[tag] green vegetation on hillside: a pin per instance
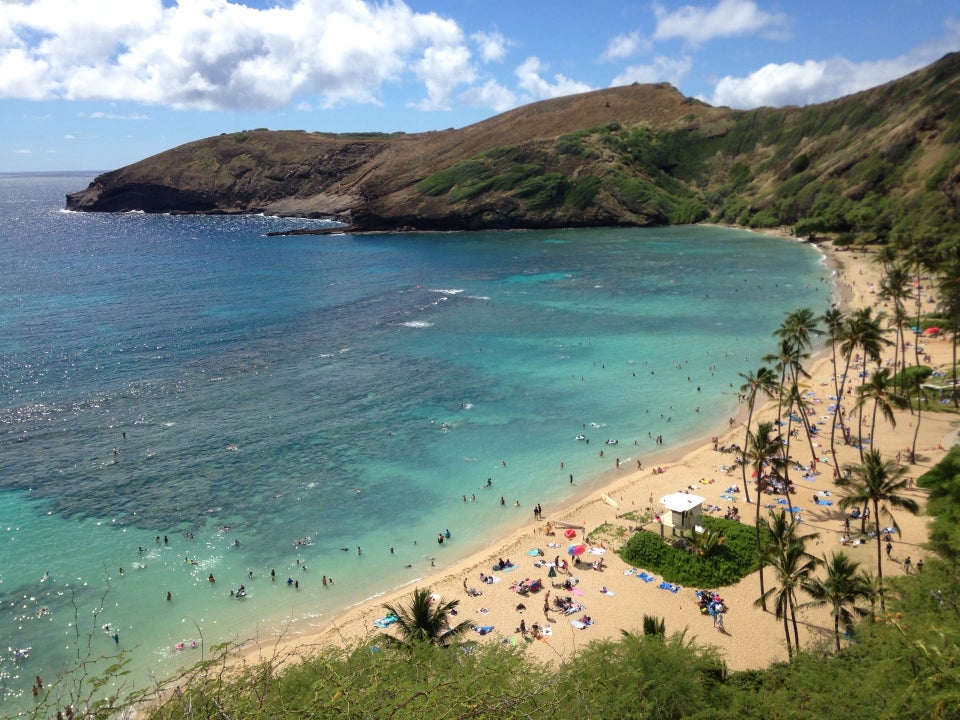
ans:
(876, 166)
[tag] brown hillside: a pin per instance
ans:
(872, 163)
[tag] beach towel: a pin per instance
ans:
(534, 553)
(483, 611)
(669, 586)
(795, 509)
(546, 630)
(576, 591)
(384, 622)
(645, 576)
(483, 629)
(824, 502)
(631, 571)
(580, 625)
(506, 568)
(726, 496)
(611, 593)
(597, 551)
(782, 501)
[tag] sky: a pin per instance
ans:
(93, 85)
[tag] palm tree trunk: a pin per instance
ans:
(838, 416)
(916, 352)
(883, 602)
(786, 633)
(836, 629)
(763, 596)
(956, 397)
(743, 465)
(793, 621)
(863, 380)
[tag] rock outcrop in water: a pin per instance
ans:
(634, 155)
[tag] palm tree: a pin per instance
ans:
(864, 331)
(786, 553)
(763, 381)
(895, 287)
(881, 391)
(781, 360)
(426, 620)
(841, 589)
(880, 483)
(762, 448)
(833, 320)
(920, 255)
(948, 292)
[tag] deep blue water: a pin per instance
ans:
(190, 377)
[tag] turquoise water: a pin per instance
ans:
(191, 378)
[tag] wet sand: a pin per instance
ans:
(751, 637)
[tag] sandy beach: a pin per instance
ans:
(751, 637)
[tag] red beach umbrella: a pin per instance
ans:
(569, 533)
(931, 331)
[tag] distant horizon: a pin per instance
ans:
(101, 84)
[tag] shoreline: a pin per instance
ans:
(752, 637)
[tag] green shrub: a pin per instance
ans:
(583, 192)
(440, 183)
(544, 191)
(735, 558)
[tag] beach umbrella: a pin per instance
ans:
(575, 550)
(569, 533)
(931, 331)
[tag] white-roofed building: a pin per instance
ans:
(682, 511)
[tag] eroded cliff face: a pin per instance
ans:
(283, 173)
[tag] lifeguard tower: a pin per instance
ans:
(682, 512)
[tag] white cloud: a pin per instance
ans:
(662, 69)
(68, 136)
(530, 75)
(441, 70)
(808, 82)
(728, 18)
(490, 94)
(100, 115)
(815, 81)
(219, 54)
(23, 151)
(493, 46)
(624, 46)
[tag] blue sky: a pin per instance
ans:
(98, 84)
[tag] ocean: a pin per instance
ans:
(185, 397)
